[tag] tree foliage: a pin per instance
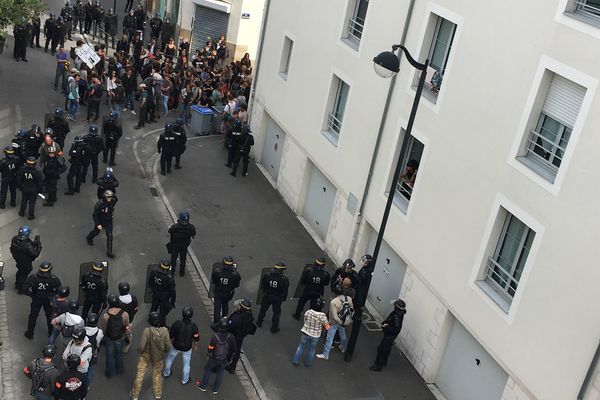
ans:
(13, 11)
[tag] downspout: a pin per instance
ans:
(380, 132)
(261, 42)
(588, 376)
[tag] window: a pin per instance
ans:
(546, 143)
(356, 22)
(438, 54)
(588, 8)
(286, 56)
(504, 268)
(336, 115)
(410, 157)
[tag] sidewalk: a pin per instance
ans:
(247, 219)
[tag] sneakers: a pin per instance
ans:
(199, 386)
(322, 356)
(133, 112)
(125, 109)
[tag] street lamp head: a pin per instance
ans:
(386, 64)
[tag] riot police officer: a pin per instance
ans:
(127, 301)
(140, 17)
(60, 127)
(107, 181)
(240, 324)
(180, 140)
(109, 28)
(33, 141)
(94, 288)
(166, 147)
(232, 141)
(162, 286)
(9, 166)
(21, 38)
(98, 15)
(242, 150)
(49, 28)
(313, 280)
(40, 287)
(364, 275)
(275, 289)
(391, 327)
(24, 252)
(18, 144)
(78, 16)
(36, 26)
(67, 14)
(53, 167)
(225, 279)
(29, 180)
(89, 15)
(155, 26)
(112, 131)
(94, 145)
(182, 233)
(103, 220)
(129, 25)
(58, 36)
(343, 272)
(77, 154)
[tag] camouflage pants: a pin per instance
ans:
(143, 364)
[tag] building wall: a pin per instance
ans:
(548, 337)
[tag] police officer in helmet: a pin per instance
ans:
(53, 168)
(225, 279)
(9, 166)
(77, 155)
(41, 287)
(103, 220)
(314, 279)
(94, 288)
(243, 144)
(240, 324)
(346, 271)
(94, 146)
(24, 252)
(29, 180)
(59, 126)
(112, 132)
(182, 233)
(391, 327)
(167, 148)
(180, 141)
(162, 286)
(275, 288)
(108, 181)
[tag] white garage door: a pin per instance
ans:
(467, 371)
(273, 147)
(319, 202)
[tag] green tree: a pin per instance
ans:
(14, 11)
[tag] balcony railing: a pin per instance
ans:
(554, 152)
(334, 124)
(501, 279)
(355, 29)
(584, 7)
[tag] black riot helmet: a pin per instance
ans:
(318, 304)
(63, 291)
(92, 320)
(79, 333)
(187, 312)
(93, 129)
(246, 304)
(223, 324)
(73, 361)
(348, 264)
(45, 267)
(124, 288)
(154, 319)
(112, 300)
(73, 305)
(184, 217)
(49, 351)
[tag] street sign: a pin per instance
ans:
(87, 55)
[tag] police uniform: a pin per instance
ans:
(107, 183)
(98, 15)
(181, 237)
(166, 147)
(58, 35)
(240, 324)
(225, 279)
(53, 168)
(314, 279)
(103, 215)
(155, 27)
(61, 128)
(9, 166)
(36, 26)
(89, 15)
(391, 327)
(32, 144)
(21, 39)
(275, 288)
(232, 141)
(29, 180)
(77, 154)
(94, 288)
(339, 275)
(244, 142)
(129, 24)
(162, 285)
(41, 287)
(140, 17)
(180, 141)
(94, 145)
(49, 28)
(67, 14)
(24, 252)
(112, 131)
(78, 16)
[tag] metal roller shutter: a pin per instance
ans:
(207, 23)
(563, 100)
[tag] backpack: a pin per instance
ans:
(185, 334)
(115, 329)
(221, 350)
(94, 342)
(345, 312)
(38, 374)
(67, 330)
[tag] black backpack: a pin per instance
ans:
(67, 330)
(345, 312)
(115, 329)
(221, 350)
(37, 376)
(94, 342)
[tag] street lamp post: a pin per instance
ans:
(386, 65)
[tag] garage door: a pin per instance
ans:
(467, 371)
(273, 147)
(388, 276)
(319, 202)
(207, 23)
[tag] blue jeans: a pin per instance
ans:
(129, 100)
(90, 375)
(185, 110)
(114, 357)
(52, 338)
(116, 107)
(165, 100)
(311, 343)
(219, 368)
(186, 358)
(331, 334)
(73, 107)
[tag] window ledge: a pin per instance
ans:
(427, 93)
(331, 136)
(351, 43)
(494, 295)
(584, 17)
(399, 201)
(283, 75)
(538, 168)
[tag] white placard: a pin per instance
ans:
(87, 55)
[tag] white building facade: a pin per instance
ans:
(492, 245)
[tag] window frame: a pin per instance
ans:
(286, 57)
(351, 22)
(434, 41)
(400, 199)
(581, 8)
(333, 122)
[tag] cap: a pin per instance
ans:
(320, 261)
(228, 260)
(348, 263)
(31, 160)
(280, 266)
(165, 264)
(246, 304)
(98, 266)
(45, 266)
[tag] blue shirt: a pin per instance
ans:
(61, 56)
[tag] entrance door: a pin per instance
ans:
(388, 276)
(319, 202)
(273, 147)
(467, 371)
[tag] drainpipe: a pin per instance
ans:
(588, 376)
(380, 131)
(261, 42)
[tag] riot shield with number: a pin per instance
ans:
(147, 290)
(300, 286)
(260, 294)
(211, 288)
(84, 268)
